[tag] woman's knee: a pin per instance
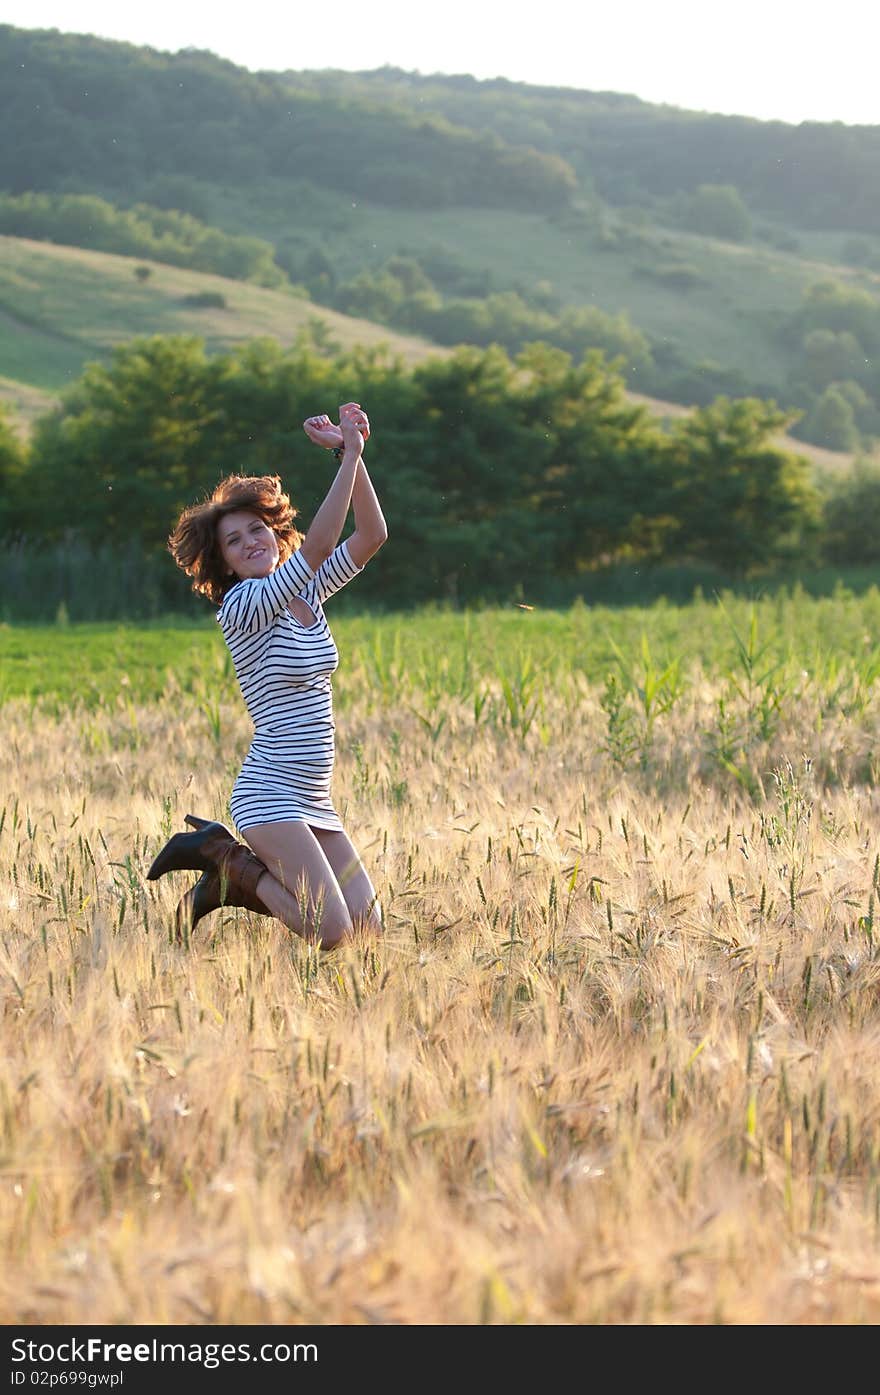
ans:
(368, 917)
(329, 926)
(363, 905)
(360, 919)
(375, 920)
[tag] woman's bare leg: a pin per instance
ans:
(352, 878)
(300, 887)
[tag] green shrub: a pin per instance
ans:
(206, 300)
(676, 276)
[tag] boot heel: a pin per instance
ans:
(199, 901)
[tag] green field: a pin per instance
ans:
(448, 652)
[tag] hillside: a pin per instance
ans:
(24, 404)
(60, 306)
(699, 300)
(810, 176)
(63, 306)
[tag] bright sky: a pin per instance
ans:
(792, 60)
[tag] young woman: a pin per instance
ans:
(243, 553)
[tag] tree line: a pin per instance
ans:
(129, 115)
(500, 476)
(813, 175)
(163, 235)
(79, 112)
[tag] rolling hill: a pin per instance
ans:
(61, 307)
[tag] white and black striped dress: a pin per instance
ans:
(284, 671)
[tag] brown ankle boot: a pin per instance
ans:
(233, 882)
(198, 851)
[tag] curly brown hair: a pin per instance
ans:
(194, 545)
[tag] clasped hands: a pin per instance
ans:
(353, 428)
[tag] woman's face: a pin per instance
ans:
(247, 544)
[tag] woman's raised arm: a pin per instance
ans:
(370, 528)
(328, 522)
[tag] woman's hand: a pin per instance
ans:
(322, 431)
(354, 425)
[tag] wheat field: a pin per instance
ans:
(613, 1060)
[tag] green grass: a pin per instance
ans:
(92, 664)
(24, 403)
(36, 357)
(454, 653)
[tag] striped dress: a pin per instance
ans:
(284, 671)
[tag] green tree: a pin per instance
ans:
(831, 356)
(496, 474)
(718, 210)
(583, 327)
(851, 517)
(865, 409)
(138, 439)
(123, 451)
(13, 473)
(831, 421)
(598, 462)
(740, 501)
(165, 235)
(844, 309)
(410, 274)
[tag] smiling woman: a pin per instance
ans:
(243, 552)
(247, 544)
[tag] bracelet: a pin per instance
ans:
(339, 451)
